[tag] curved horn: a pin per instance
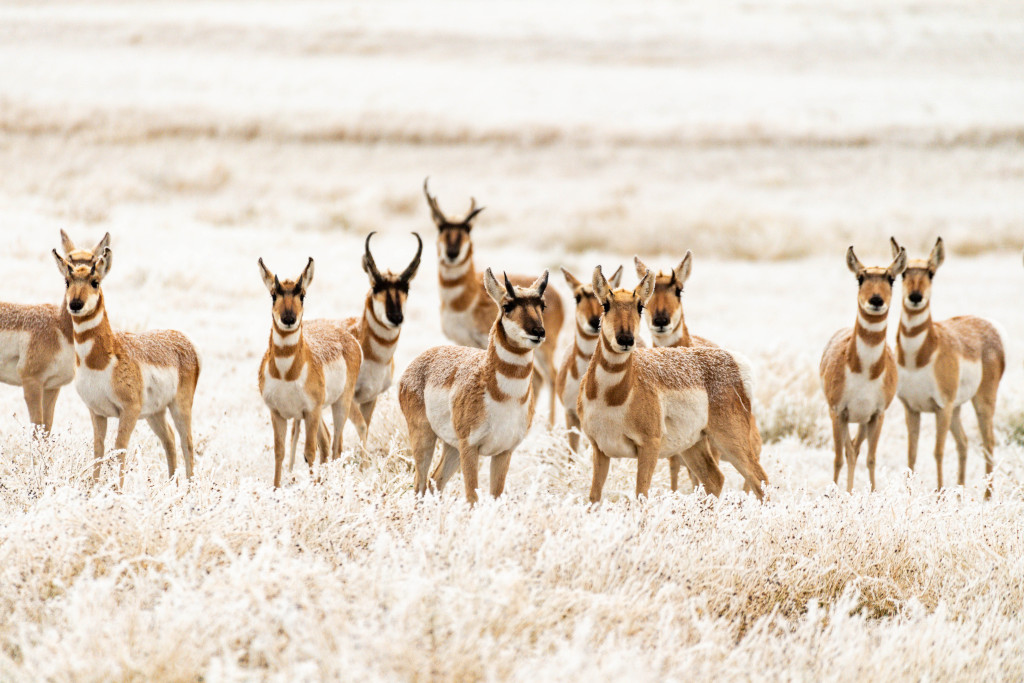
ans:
(473, 211)
(368, 263)
(435, 210)
(508, 286)
(410, 271)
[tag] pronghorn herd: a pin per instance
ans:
(685, 400)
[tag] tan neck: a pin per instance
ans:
(458, 282)
(677, 336)
(611, 373)
(95, 343)
(508, 368)
(867, 344)
(377, 340)
(65, 322)
(288, 353)
(583, 349)
(916, 340)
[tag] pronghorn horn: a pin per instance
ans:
(473, 211)
(410, 271)
(435, 210)
(368, 263)
(508, 287)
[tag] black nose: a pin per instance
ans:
(396, 318)
(453, 253)
(536, 331)
(76, 305)
(876, 301)
(595, 322)
(660, 321)
(625, 339)
(915, 297)
(288, 318)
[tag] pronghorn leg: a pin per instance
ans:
(181, 414)
(539, 381)
(674, 463)
(125, 426)
(469, 458)
(280, 434)
(360, 414)
(851, 456)
(158, 423)
(552, 374)
(862, 434)
(701, 462)
(33, 391)
(49, 403)
(421, 442)
(294, 443)
(646, 462)
(838, 443)
(743, 451)
(447, 466)
(874, 430)
(943, 418)
(499, 469)
(985, 408)
(99, 435)
(572, 423)
(960, 438)
(338, 416)
(913, 431)
(323, 441)
(312, 421)
(367, 410)
(601, 465)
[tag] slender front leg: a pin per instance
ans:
(960, 438)
(294, 443)
(874, 430)
(838, 429)
(646, 462)
(49, 403)
(601, 464)
(674, 463)
(33, 391)
(702, 464)
(943, 418)
(99, 435)
(499, 469)
(125, 426)
(338, 417)
(366, 409)
(572, 423)
(851, 456)
(280, 434)
(469, 457)
(913, 430)
(312, 420)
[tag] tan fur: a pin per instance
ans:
(657, 403)
(464, 296)
(113, 367)
(861, 357)
(478, 403)
(943, 365)
(306, 350)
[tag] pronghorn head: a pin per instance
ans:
(83, 270)
(622, 309)
(453, 243)
(917, 278)
(588, 308)
(666, 306)
(288, 296)
(388, 290)
(874, 285)
(520, 309)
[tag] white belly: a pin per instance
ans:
(439, 414)
(374, 380)
(335, 376)
(97, 390)
(918, 390)
(504, 427)
(13, 344)
(684, 417)
(288, 399)
(970, 380)
(159, 385)
(460, 328)
(862, 397)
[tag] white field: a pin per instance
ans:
(765, 137)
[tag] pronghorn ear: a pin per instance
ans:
(852, 262)
(601, 288)
(641, 269)
(102, 244)
(683, 270)
(269, 279)
(306, 279)
(101, 263)
(645, 290)
(937, 256)
(571, 280)
(66, 244)
(63, 266)
(899, 264)
(895, 246)
(540, 284)
(494, 289)
(616, 279)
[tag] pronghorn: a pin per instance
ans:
(858, 370)
(668, 326)
(588, 325)
(377, 331)
(124, 375)
(467, 312)
(37, 347)
(478, 403)
(656, 403)
(943, 365)
(306, 368)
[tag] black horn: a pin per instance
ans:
(508, 286)
(410, 271)
(435, 210)
(368, 263)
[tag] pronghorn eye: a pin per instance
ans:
(543, 305)
(639, 307)
(607, 306)
(679, 292)
(892, 280)
(95, 284)
(509, 306)
(302, 297)
(578, 298)
(67, 282)
(930, 275)
(860, 279)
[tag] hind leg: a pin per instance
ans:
(702, 463)
(469, 458)
(499, 469)
(743, 453)
(446, 467)
(338, 417)
(158, 423)
(960, 438)
(49, 403)
(421, 442)
(181, 414)
(839, 434)
(572, 422)
(984, 408)
(33, 391)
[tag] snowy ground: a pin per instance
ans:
(765, 137)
